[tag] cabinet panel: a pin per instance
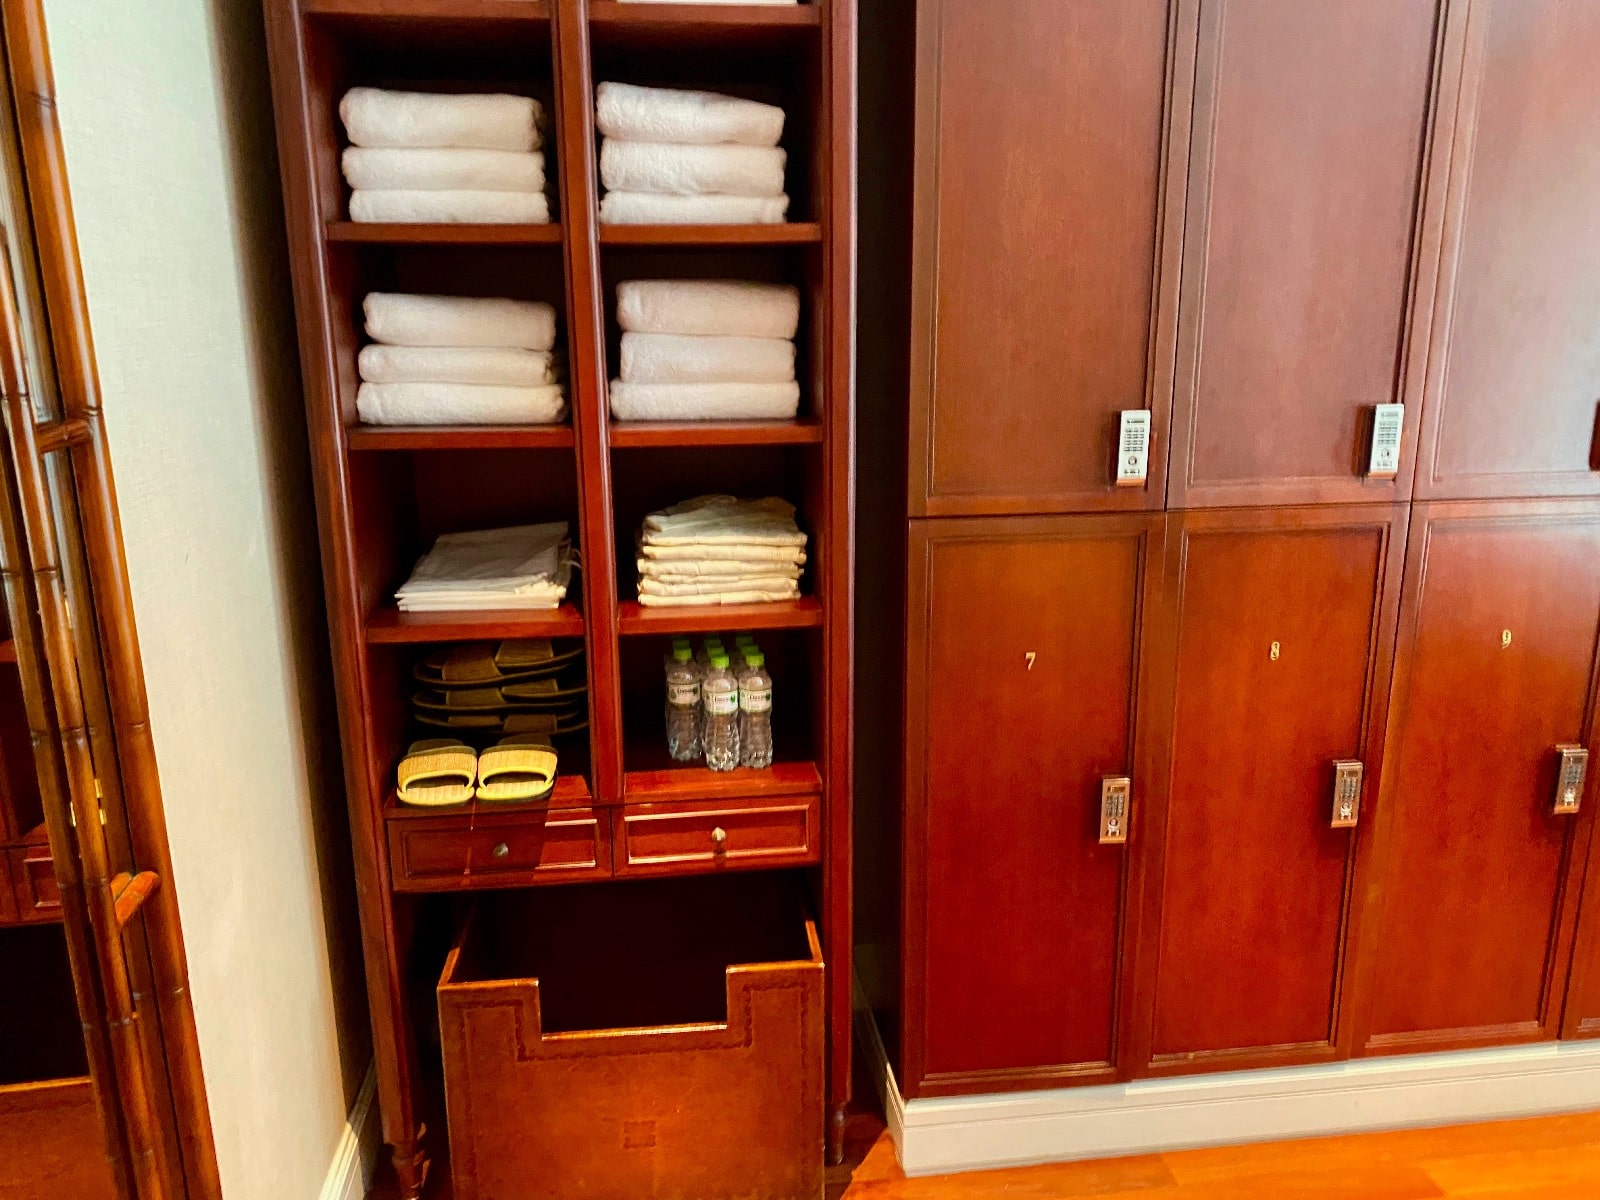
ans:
(1277, 626)
(1304, 184)
(1514, 385)
(1038, 216)
(1495, 669)
(1024, 653)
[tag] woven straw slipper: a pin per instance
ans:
(568, 720)
(489, 664)
(437, 772)
(543, 695)
(517, 770)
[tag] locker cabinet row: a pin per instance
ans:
(1346, 830)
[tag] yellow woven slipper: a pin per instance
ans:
(437, 772)
(517, 769)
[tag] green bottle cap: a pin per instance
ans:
(682, 653)
(720, 661)
(756, 659)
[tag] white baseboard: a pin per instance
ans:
(356, 1158)
(969, 1133)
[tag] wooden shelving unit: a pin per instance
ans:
(383, 494)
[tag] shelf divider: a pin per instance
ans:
(797, 233)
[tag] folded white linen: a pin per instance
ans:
(704, 401)
(653, 208)
(418, 170)
(678, 358)
(403, 319)
(773, 584)
(682, 570)
(496, 366)
(459, 404)
(449, 208)
(649, 600)
(691, 170)
(714, 519)
(709, 307)
(504, 559)
(713, 555)
(429, 120)
(646, 114)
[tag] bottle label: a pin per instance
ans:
(756, 700)
(683, 694)
(722, 704)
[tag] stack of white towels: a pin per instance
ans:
(418, 157)
(675, 157)
(459, 360)
(524, 566)
(706, 350)
(720, 550)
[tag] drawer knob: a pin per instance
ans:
(500, 850)
(719, 836)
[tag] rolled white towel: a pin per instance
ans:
(675, 358)
(704, 401)
(691, 170)
(401, 319)
(497, 366)
(709, 307)
(656, 208)
(458, 404)
(650, 600)
(450, 208)
(428, 120)
(413, 170)
(646, 114)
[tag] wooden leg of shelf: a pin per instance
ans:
(411, 1166)
(836, 1133)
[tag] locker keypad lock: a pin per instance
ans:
(1347, 777)
(1572, 766)
(1115, 791)
(1133, 448)
(1388, 420)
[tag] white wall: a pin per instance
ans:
(168, 140)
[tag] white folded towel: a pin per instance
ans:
(691, 170)
(714, 519)
(496, 366)
(654, 208)
(685, 570)
(444, 170)
(524, 566)
(675, 358)
(402, 319)
(711, 556)
(704, 401)
(376, 117)
(458, 404)
(646, 114)
(450, 208)
(649, 600)
(775, 584)
(709, 307)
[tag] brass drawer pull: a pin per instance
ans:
(500, 850)
(719, 838)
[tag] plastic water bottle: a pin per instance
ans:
(755, 713)
(719, 692)
(683, 704)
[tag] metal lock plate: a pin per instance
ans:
(1115, 792)
(1571, 767)
(1347, 777)
(1388, 420)
(1133, 448)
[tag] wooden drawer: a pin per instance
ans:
(692, 837)
(33, 879)
(661, 1040)
(531, 846)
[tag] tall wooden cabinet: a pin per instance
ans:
(1338, 687)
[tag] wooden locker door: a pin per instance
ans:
(1275, 635)
(1513, 393)
(1305, 217)
(1025, 651)
(1474, 896)
(1044, 280)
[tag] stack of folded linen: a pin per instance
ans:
(417, 157)
(706, 350)
(689, 158)
(719, 550)
(459, 360)
(524, 566)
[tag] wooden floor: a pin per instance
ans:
(1547, 1158)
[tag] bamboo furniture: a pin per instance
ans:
(620, 807)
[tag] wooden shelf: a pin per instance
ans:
(634, 618)
(793, 234)
(389, 625)
(571, 791)
(716, 433)
(374, 233)
(702, 783)
(459, 437)
(445, 22)
(741, 27)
